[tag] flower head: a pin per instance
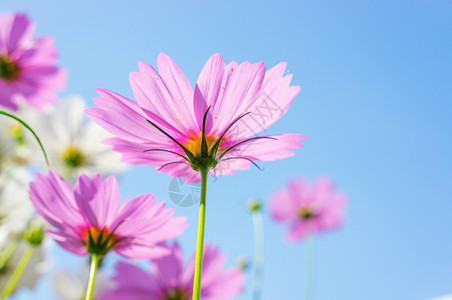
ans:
(213, 127)
(27, 65)
(73, 142)
(89, 219)
(308, 207)
(171, 280)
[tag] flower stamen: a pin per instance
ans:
(177, 294)
(73, 157)
(9, 70)
(306, 213)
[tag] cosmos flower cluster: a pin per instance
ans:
(187, 132)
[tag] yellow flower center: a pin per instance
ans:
(17, 133)
(177, 294)
(73, 157)
(9, 69)
(306, 213)
(98, 240)
(195, 141)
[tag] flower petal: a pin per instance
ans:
(132, 283)
(18, 31)
(168, 269)
(272, 102)
(243, 85)
(207, 89)
(276, 147)
(97, 199)
(121, 117)
(53, 199)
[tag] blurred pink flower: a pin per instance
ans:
(308, 207)
(213, 127)
(171, 280)
(27, 65)
(89, 219)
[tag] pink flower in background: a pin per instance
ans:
(27, 65)
(89, 218)
(213, 127)
(171, 280)
(308, 207)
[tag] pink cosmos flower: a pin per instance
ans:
(27, 65)
(308, 207)
(89, 218)
(213, 127)
(171, 280)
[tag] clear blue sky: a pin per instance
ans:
(376, 104)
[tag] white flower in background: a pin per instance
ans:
(16, 213)
(15, 207)
(70, 286)
(73, 143)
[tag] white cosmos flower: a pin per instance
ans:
(15, 207)
(74, 143)
(72, 286)
(16, 213)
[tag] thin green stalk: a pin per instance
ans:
(31, 130)
(200, 243)
(310, 269)
(7, 253)
(258, 225)
(9, 288)
(92, 276)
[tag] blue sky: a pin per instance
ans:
(375, 102)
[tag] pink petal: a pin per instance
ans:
(244, 83)
(17, 32)
(178, 86)
(271, 104)
(278, 147)
(139, 251)
(133, 276)
(132, 283)
(121, 117)
(151, 93)
(282, 207)
(7, 96)
(208, 88)
(53, 199)
(213, 261)
(97, 199)
(225, 285)
(300, 230)
(168, 269)
(44, 53)
(69, 242)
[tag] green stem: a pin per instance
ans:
(258, 254)
(9, 288)
(92, 276)
(310, 268)
(7, 253)
(200, 244)
(32, 132)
